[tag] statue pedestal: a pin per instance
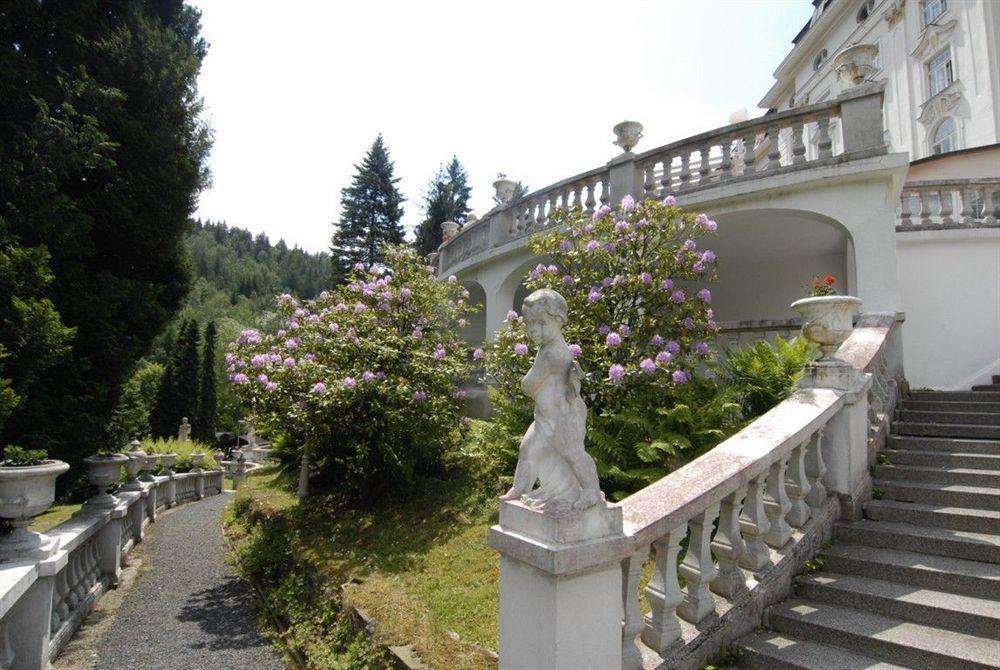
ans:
(560, 587)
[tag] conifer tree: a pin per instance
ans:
(177, 396)
(446, 199)
(204, 425)
(371, 209)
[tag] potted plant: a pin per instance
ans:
(827, 318)
(136, 463)
(27, 488)
(104, 469)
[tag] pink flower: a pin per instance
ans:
(690, 245)
(647, 365)
(628, 203)
(270, 387)
(263, 379)
(593, 296)
(670, 200)
(477, 355)
(417, 333)
(708, 257)
(349, 382)
(616, 372)
(419, 396)
(240, 378)
(318, 388)
(705, 295)
(701, 348)
(521, 349)
(438, 354)
(613, 340)
(334, 327)
(452, 278)
(511, 315)
(565, 245)
(592, 245)
(680, 376)
(656, 340)
(666, 284)
(673, 347)
(567, 280)
(289, 362)
(688, 322)
(663, 357)
(575, 350)
(677, 297)
(367, 376)
(405, 293)
(601, 212)
(646, 278)
(624, 330)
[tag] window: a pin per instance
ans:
(945, 137)
(934, 9)
(865, 11)
(820, 59)
(940, 73)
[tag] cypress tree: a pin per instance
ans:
(371, 209)
(177, 396)
(446, 199)
(204, 426)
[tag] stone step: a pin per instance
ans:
(904, 642)
(958, 430)
(922, 416)
(941, 573)
(956, 396)
(950, 406)
(940, 474)
(945, 459)
(958, 495)
(939, 516)
(972, 546)
(965, 446)
(989, 388)
(966, 614)
(773, 651)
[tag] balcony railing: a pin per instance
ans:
(944, 204)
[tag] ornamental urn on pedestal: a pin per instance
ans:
(102, 472)
(25, 492)
(627, 134)
(827, 320)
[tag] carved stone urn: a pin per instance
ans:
(136, 463)
(448, 230)
(25, 492)
(827, 320)
(197, 460)
(167, 463)
(628, 134)
(148, 465)
(855, 63)
(102, 472)
(504, 189)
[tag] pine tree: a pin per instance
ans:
(204, 425)
(177, 396)
(371, 209)
(446, 199)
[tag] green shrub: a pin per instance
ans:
(171, 445)
(15, 457)
(763, 374)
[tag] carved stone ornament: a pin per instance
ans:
(940, 105)
(933, 38)
(894, 13)
(552, 452)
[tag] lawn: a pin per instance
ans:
(418, 563)
(54, 516)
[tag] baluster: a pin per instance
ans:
(62, 589)
(905, 215)
(605, 191)
(591, 200)
(542, 216)
(729, 547)
(944, 197)
(662, 629)
(968, 211)
(815, 469)
(704, 169)
(685, 175)
(749, 152)
(754, 526)
(776, 505)
(925, 207)
(698, 568)
(824, 144)
(726, 165)
(774, 150)
(576, 201)
(798, 146)
(632, 623)
(666, 183)
(798, 487)
(73, 579)
(991, 206)
(648, 183)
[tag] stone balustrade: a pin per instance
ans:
(773, 491)
(845, 128)
(739, 333)
(942, 204)
(43, 602)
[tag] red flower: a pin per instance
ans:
(815, 282)
(830, 280)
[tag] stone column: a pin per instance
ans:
(304, 474)
(560, 587)
(626, 178)
(29, 619)
(845, 438)
(109, 544)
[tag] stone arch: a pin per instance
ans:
(512, 288)
(474, 332)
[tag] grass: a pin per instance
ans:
(418, 564)
(54, 516)
(183, 450)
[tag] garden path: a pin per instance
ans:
(186, 609)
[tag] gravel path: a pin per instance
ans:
(186, 610)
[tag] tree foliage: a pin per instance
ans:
(130, 420)
(177, 396)
(101, 158)
(371, 210)
(204, 423)
(446, 199)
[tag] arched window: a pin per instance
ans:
(820, 59)
(866, 11)
(945, 137)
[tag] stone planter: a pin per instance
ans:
(167, 463)
(197, 460)
(627, 134)
(135, 464)
(25, 492)
(854, 64)
(504, 189)
(827, 320)
(148, 465)
(102, 472)
(448, 230)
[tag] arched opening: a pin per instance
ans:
(513, 286)
(474, 332)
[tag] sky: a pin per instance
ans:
(297, 91)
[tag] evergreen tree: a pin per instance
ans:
(101, 159)
(371, 209)
(204, 426)
(446, 199)
(177, 396)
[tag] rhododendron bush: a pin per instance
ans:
(366, 375)
(640, 322)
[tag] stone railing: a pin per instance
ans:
(942, 204)
(773, 490)
(738, 333)
(43, 602)
(783, 142)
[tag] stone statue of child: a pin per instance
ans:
(552, 451)
(184, 430)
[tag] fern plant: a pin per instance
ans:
(763, 374)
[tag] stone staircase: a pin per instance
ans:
(915, 584)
